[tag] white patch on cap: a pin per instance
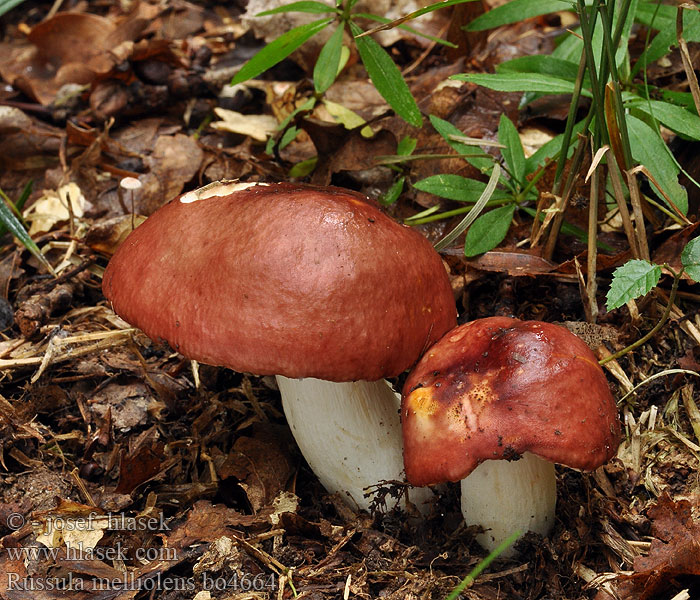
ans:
(217, 188)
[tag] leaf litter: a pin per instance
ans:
(138, 468)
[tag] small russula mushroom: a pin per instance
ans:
(529, 392)
(296, 281)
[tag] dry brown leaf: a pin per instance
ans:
(143, 462)
(174, 161)
(674, 552)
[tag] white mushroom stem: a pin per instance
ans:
(504, 497)
(350, 434)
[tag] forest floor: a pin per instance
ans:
(179, 484)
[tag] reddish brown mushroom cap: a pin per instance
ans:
(283, 279)
(498, 387)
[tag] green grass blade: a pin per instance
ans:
(326, 67)
(474, 212)
(306, 6)
(14, 226)
(384, 20)
(516, 11)
(387, 78)
(8, 5)
(476, 571)
(279, 49)
(409, 17)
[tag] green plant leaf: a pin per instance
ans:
(513, 152)
(8, 5)
(304, 168)
(663, 18)
(10, 221)
(446, 129)
(393, 193)
(541, 63)
(406, 146)
(328, 61)
(674, 117)
(455, 187)
(387, 78)
(520, 82)
(279, 49)
(516, 11)
(633, 279)
(476, 571)
(288, 137)
(650, 150)
(488, 230)
(306, 6)
(690, 258)
(474, 211)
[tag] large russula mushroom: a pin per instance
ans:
(300, 282)
(529, 392)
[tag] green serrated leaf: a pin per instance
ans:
(387, 78)
(649, 149)
(521, 82)
(633, 279)
(446, 129)
(305, 6)
(279, 49)
(513, 151)
(488, 230)
(326, 67)
(690, 258)
(516, 11)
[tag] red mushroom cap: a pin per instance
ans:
(498, 387)
(283, 279)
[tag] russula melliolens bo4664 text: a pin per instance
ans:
(300, 282)
(529, 392)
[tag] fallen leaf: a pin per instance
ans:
(674, 552)
(52, 208)
(143, 462)
(259, 127)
